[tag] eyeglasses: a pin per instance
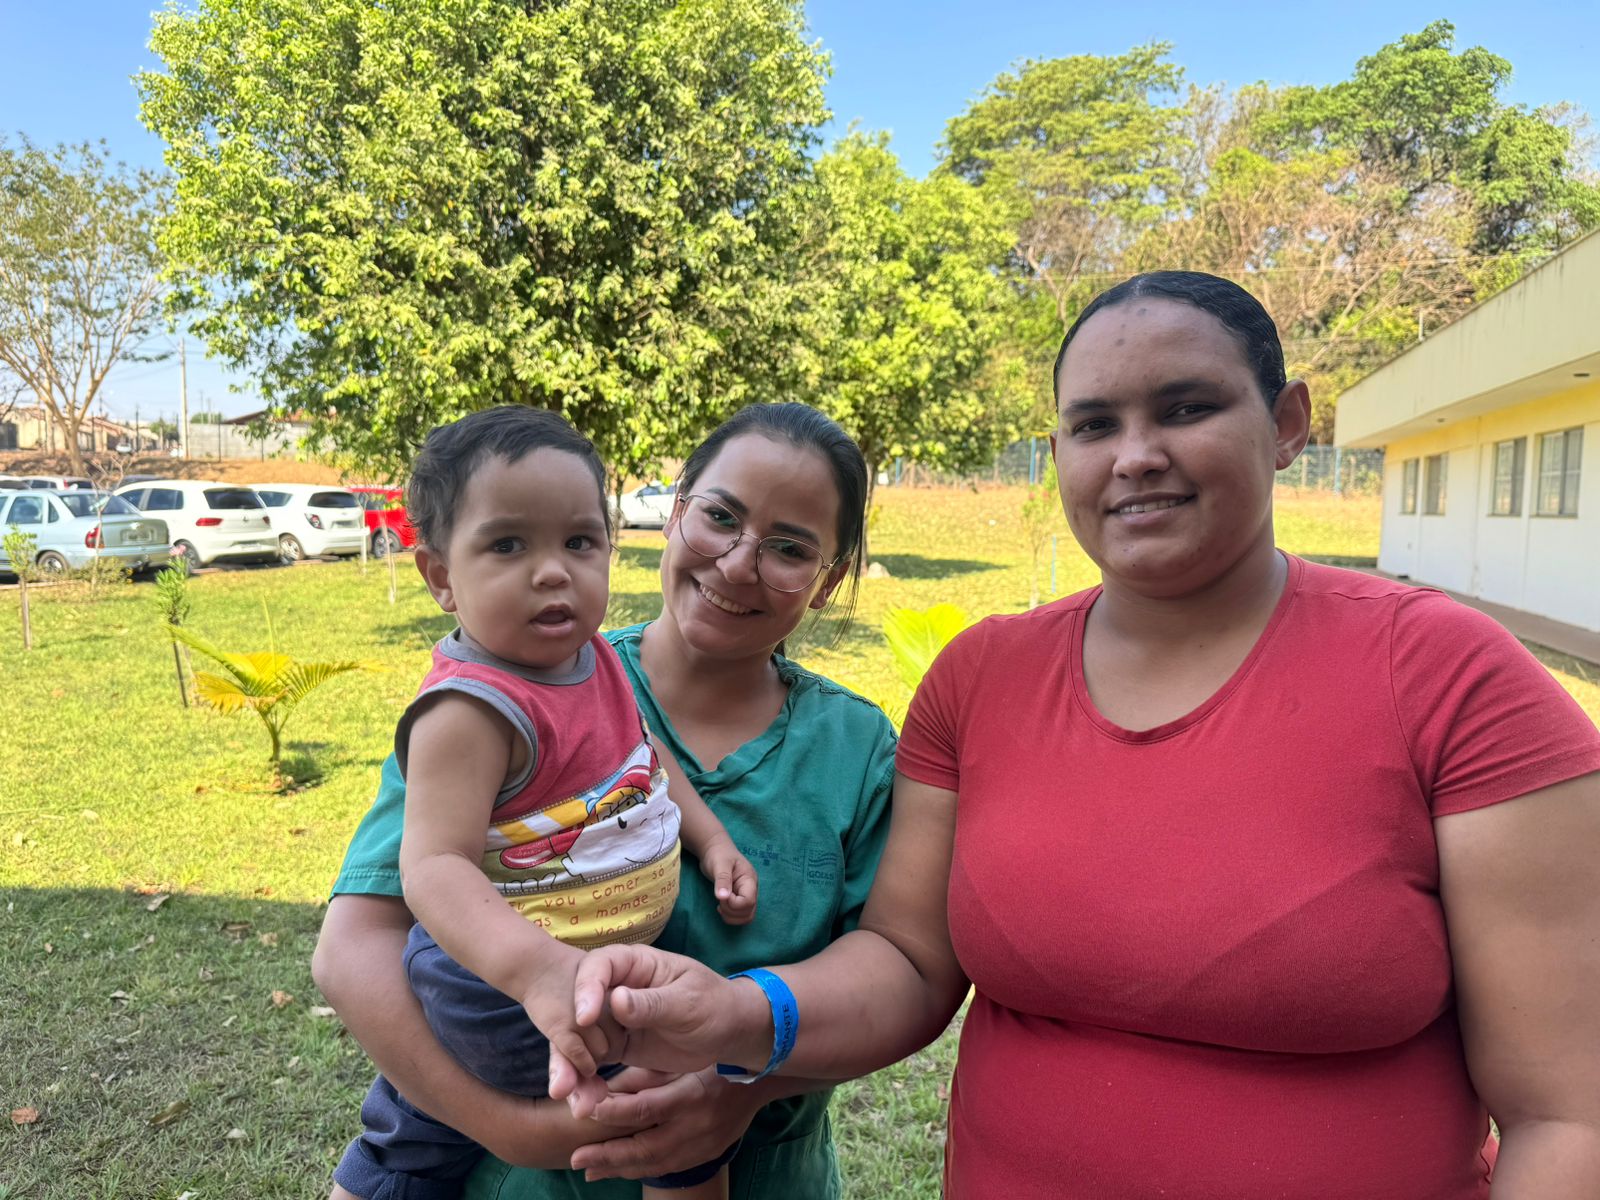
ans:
(784, 564)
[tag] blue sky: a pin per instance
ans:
(902, 65)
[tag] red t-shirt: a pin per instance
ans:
(1210, 959)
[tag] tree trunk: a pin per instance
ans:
(70, 426)
(177, 667)
(27, 625)
(866, 517)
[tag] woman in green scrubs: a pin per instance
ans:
(797, 768)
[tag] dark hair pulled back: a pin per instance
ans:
(805, 428)
(1241, 315)
(451, 453)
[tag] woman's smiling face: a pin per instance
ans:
(1166, 449)
(720, 605)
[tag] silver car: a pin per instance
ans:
(73, 528)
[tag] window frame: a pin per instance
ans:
(1568, 475)
(1435, 471)
(1517, 484)
(1410, 485)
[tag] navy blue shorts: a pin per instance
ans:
(404, 1154)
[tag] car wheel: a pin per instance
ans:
(51, 563)
(191, 556)
(384, 543)
(289, 548)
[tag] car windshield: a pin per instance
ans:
(333, 500)
(232, 498)
(273, 499)
(89, 504)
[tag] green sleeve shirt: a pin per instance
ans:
(807, 801)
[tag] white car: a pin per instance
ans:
(648, 505)
(312, 520)
(73, 528)
(56, 482)
(209, 522)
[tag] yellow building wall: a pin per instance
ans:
(1546, 565)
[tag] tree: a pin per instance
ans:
(909, 277)
(1360, 211)
(396, 214)
(1433, 116)
(20, 553)
(80, 285)
(1082, 158)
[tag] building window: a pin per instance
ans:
(1560, 457)
(1408, 485)
(1510, 459)
(1433, 483)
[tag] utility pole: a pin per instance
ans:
(183, 400)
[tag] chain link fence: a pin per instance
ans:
(1026, 462)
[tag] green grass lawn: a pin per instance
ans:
(174, 1046)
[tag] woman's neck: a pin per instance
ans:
(1240, 600)
(690, 686)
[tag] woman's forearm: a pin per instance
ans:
(849, 1029)
(863, 1004)
(1548, 1160)
(358, 967)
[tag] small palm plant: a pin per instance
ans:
(915, 637)
(267, 683)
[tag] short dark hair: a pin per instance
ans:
(807, 428)
(451, 453)
(1241, 315)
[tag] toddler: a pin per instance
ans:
(537, 821)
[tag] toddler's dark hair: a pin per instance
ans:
(451, 453)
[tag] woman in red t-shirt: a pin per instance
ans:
(1269, 879)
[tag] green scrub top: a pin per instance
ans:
(807, 802)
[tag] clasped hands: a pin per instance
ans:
(674, 1018)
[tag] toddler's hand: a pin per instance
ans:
(549, 1003)
(733, 880)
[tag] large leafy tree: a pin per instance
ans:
(1433, 118)
(395, 214)
(80, 277)
(1365, 212)
(909, 278)
(1082, 154)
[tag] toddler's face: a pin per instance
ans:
(527, 569)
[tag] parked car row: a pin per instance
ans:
(45, 481)
(149, 522)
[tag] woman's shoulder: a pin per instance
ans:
(997, 635)
(815, 692)
(1396, 609)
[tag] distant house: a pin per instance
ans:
(31, 428)
(1491, 438)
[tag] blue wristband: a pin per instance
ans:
(785, 1025)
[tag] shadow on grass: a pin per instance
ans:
(116, 1014)
(630, 608)
(646, 558)
(915, 566)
